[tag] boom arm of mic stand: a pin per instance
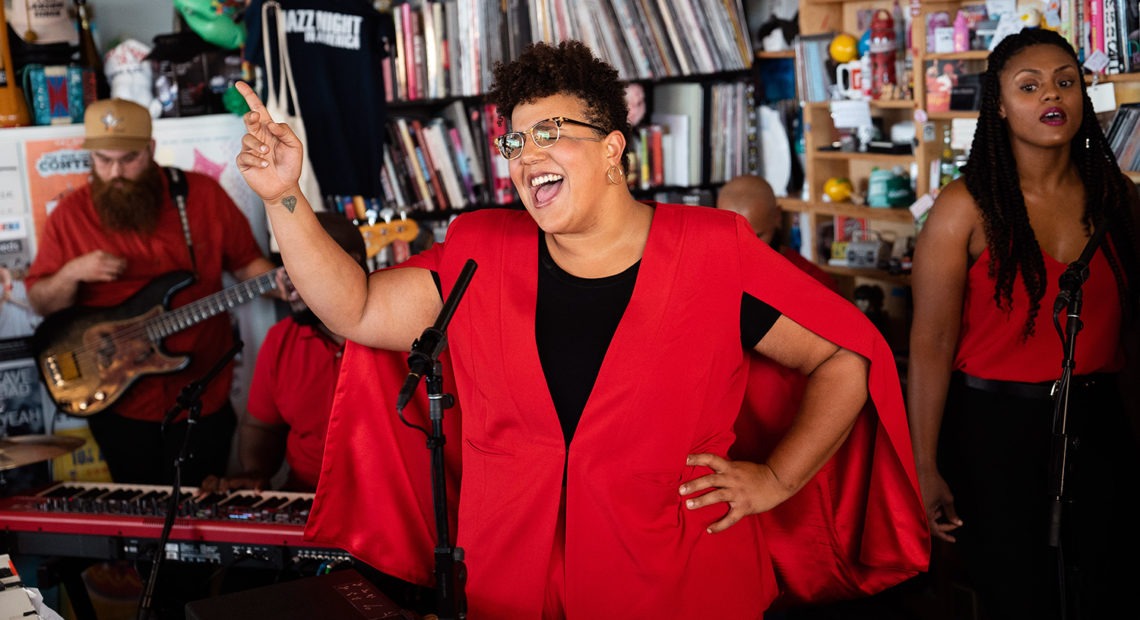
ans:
(1077, 272)
(428, 347)
(192, 393)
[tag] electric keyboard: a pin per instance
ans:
(111, 521)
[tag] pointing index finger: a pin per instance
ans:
(253, 101)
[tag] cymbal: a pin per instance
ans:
(28, 449)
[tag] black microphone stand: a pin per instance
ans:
(423, 362)
(1059, 461)
(189, 400)
(1060, 450)
(1070, 299)
(450, 571)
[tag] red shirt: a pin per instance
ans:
(293, 384)
(223, 242)
(990, 344)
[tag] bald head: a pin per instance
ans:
(752, 197)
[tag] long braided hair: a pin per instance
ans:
(992, 180)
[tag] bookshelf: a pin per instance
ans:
(701, 72)
(818, 20)
(1126, 85)
(818, 218)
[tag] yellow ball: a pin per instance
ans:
(837, 189)
(843, 48)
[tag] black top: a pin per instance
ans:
(335, 48)
(575, 321)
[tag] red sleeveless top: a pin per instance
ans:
(990, 344)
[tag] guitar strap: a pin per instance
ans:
(178, 191)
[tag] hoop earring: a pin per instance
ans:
(614, 175)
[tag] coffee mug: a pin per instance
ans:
(849, 79)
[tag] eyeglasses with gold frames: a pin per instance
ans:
(544, 134)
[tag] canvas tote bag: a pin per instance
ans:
(278, 105)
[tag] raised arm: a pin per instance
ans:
(387, 309)
(938, 282)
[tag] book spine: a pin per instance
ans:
(427, 162)
(1112, 41)
(415, 170)
(1096, 25)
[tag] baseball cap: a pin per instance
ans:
(116, 124)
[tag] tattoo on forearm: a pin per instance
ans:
(290, 202)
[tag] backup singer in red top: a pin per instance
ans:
(984, 352)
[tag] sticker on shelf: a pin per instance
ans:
(1103, 96)
(850, 114)
(1096, 62)
(921, 206)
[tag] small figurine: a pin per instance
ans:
(883, 51)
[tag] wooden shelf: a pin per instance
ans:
(848, 209)
(951, 114)
(762, 55)
(1119, 77)
(903, 160)
(885, 104)
(901, 279)
(970, 55)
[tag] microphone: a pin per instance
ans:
(1078, 271)
(426, 348)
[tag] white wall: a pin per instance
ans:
(116, 20)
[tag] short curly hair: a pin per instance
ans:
(568, 68)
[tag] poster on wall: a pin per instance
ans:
(15, 242)
(22, 412)
(208, 145)
(11, 185)
(55, 166)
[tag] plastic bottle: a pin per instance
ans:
(903, 61)
(13, 108)
(947, 170)
(961, 33)
(89, 56)
(883, 53)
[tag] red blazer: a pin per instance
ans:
(671, 384)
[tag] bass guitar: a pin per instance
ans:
(89, 357)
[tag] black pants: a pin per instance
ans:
(139, 452)
(995, 454)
